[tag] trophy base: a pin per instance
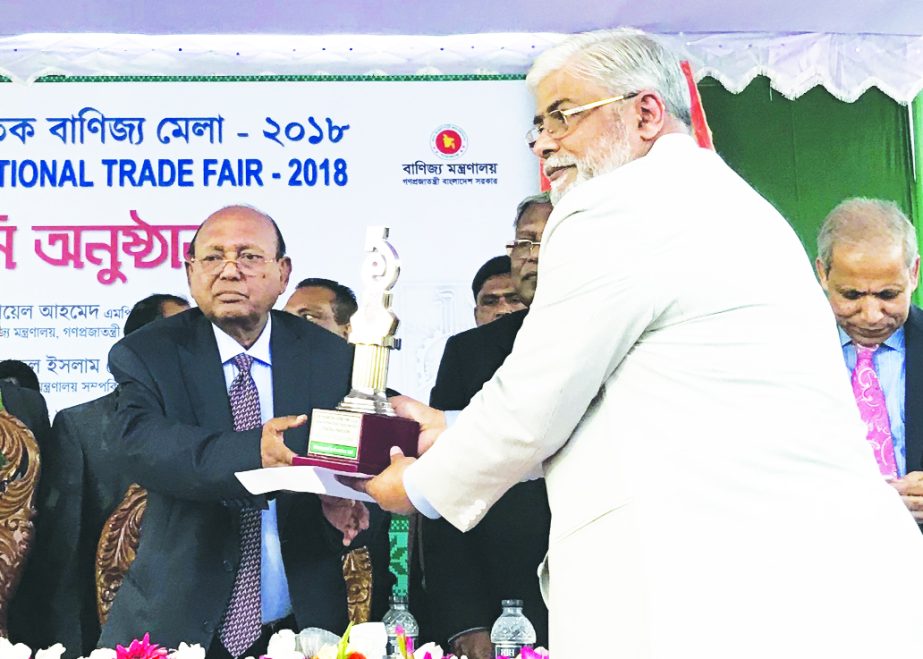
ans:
(356, 442)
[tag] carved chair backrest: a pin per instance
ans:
(19, 474)
(118, 545)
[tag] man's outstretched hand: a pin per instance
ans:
(431, 420)
(387, 488)
(345, 515)
(910, 487)
(273, 450)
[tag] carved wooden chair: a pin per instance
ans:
(19, 474)
(357, 573)
(118, 545)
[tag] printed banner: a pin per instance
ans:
(102, 185)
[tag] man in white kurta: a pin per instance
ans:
(679, 377)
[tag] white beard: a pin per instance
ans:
(611, 152)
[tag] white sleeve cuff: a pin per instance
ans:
(416, 497)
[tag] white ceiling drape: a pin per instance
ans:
(845, 64)
(844, 45)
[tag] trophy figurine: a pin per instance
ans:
(358, 435)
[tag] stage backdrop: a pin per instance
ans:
(103, 181)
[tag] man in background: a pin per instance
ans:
(82, 483)
(494, 293)
(19, 373)
(497, 559)
(324, 302)
(868, 264)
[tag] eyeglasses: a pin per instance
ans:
(522, 248)
(555, 123)
(247, 263)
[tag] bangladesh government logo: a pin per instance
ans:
(448, 141)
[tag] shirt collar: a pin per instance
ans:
(895, 341)
(228, 348)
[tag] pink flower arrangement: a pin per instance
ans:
(142, 649)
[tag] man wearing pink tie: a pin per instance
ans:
(868, 263)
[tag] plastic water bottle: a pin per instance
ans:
(399, 615)
(512, 631)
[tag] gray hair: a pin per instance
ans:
(860, 220)
(541, 198)
(623, 61)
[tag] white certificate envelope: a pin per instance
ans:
(301, 478)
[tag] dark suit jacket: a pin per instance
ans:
(83, 483)
(467, 574)
(175, 421)
(913, 389)
(29, 407)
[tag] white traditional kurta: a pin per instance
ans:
(680, 376)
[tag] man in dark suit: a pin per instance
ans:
(81, 485)
(868, 264)
(468, 574)
(216, 390)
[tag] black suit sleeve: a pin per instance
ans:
(450, 390)
(457, 594)
(182, 460)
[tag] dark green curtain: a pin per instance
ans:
(807, 155)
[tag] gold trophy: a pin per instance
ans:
(358, 435)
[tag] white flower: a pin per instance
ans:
(185, 651)
(54, 652)
(10, 651)
(327, 652)
(435, 651)
(282, 646)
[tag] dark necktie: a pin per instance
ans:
(241, 626)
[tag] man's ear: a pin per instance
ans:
(651, 114)
(821, 272)
(285, 269)
(915, 274)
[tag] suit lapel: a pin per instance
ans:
(913, 389)
(203, 375)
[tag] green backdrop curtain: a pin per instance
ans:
(807, 155)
